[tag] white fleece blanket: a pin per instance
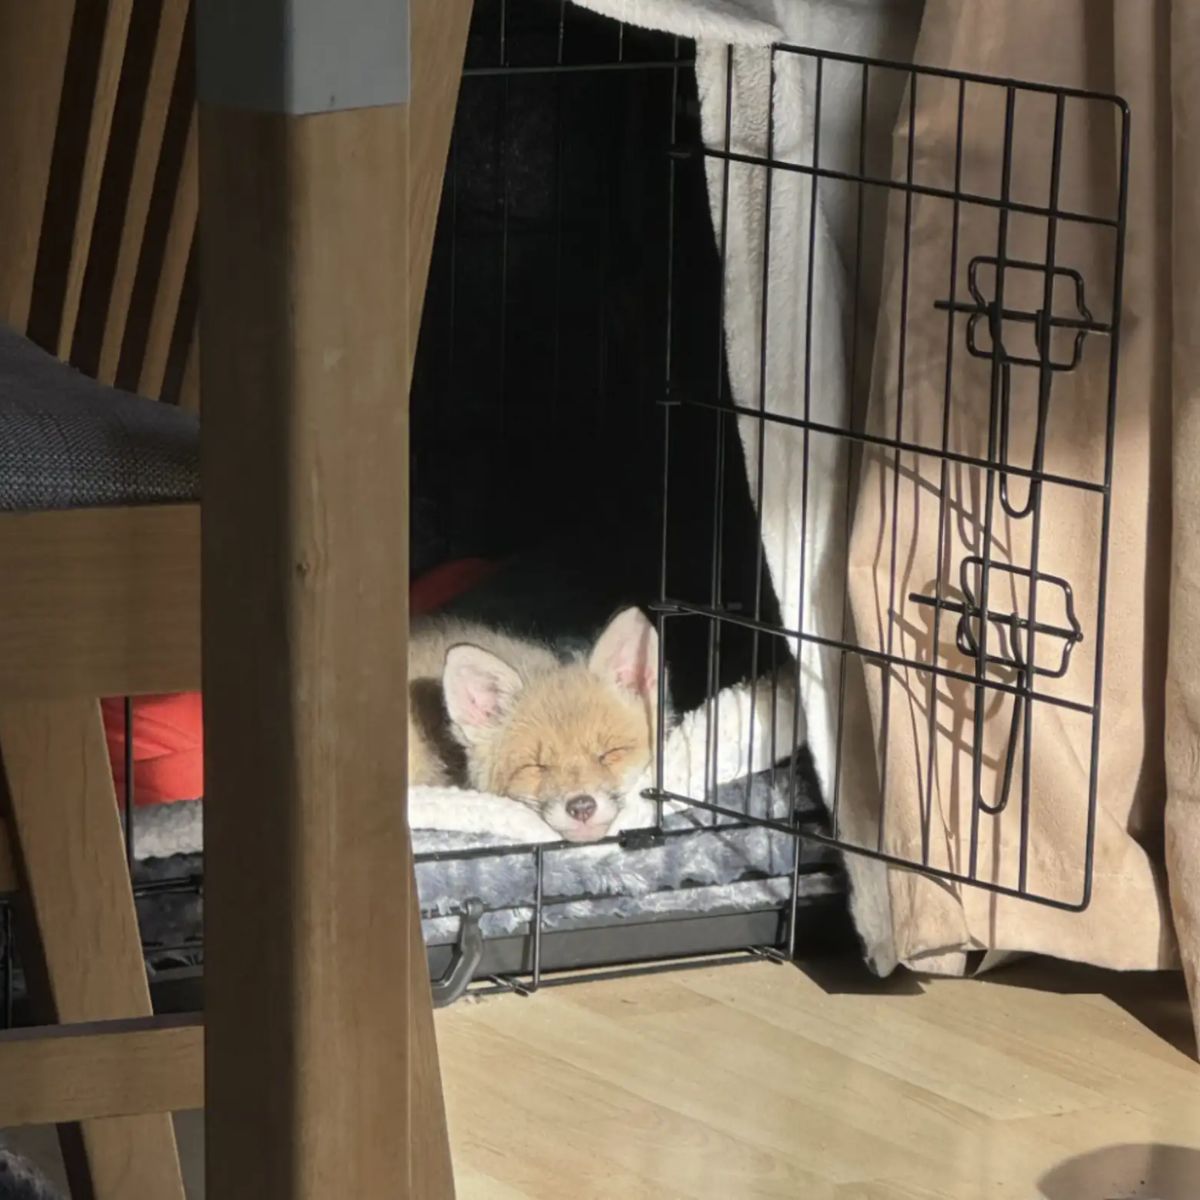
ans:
(689, 768)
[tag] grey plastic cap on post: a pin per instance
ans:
(302, 56)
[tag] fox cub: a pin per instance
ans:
(502, 714)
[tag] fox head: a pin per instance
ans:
(569, 742)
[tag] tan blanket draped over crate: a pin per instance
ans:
(1147, 51)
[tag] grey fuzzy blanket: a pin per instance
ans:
(696, 866)
(623, 877)
(21, 1180)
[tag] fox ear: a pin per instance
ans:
(479, 688)
(626, 653)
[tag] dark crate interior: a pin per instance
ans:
(537, 417)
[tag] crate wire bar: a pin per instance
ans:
(977, 619)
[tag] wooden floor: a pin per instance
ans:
(1042, 1083)
(759, 1081)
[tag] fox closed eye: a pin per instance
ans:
(529, 768)
(615, 754)
(537, 764)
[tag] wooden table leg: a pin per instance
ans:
(321, 1068)
(439, 39)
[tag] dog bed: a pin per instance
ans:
(475, 847)
(726, 863)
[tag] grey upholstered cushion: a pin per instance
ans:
(69, 442)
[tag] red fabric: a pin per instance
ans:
(168, 747)
(445, 583)
(168, 731)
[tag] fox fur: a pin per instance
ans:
(503, 714)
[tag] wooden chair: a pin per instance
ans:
(97, 225)
(98, 214)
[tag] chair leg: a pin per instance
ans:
(70, 857)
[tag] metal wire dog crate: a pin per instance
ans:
(573, 376)
(574, 258)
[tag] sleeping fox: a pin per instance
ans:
(506, 715)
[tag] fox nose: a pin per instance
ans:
(581, 808)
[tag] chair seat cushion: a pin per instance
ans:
(69, 442)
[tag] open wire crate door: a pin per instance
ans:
(914, 361)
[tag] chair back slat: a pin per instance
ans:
(164, 68)
(104, 100)
(33, 53)
(168, 300)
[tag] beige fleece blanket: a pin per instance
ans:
(1118, 48)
